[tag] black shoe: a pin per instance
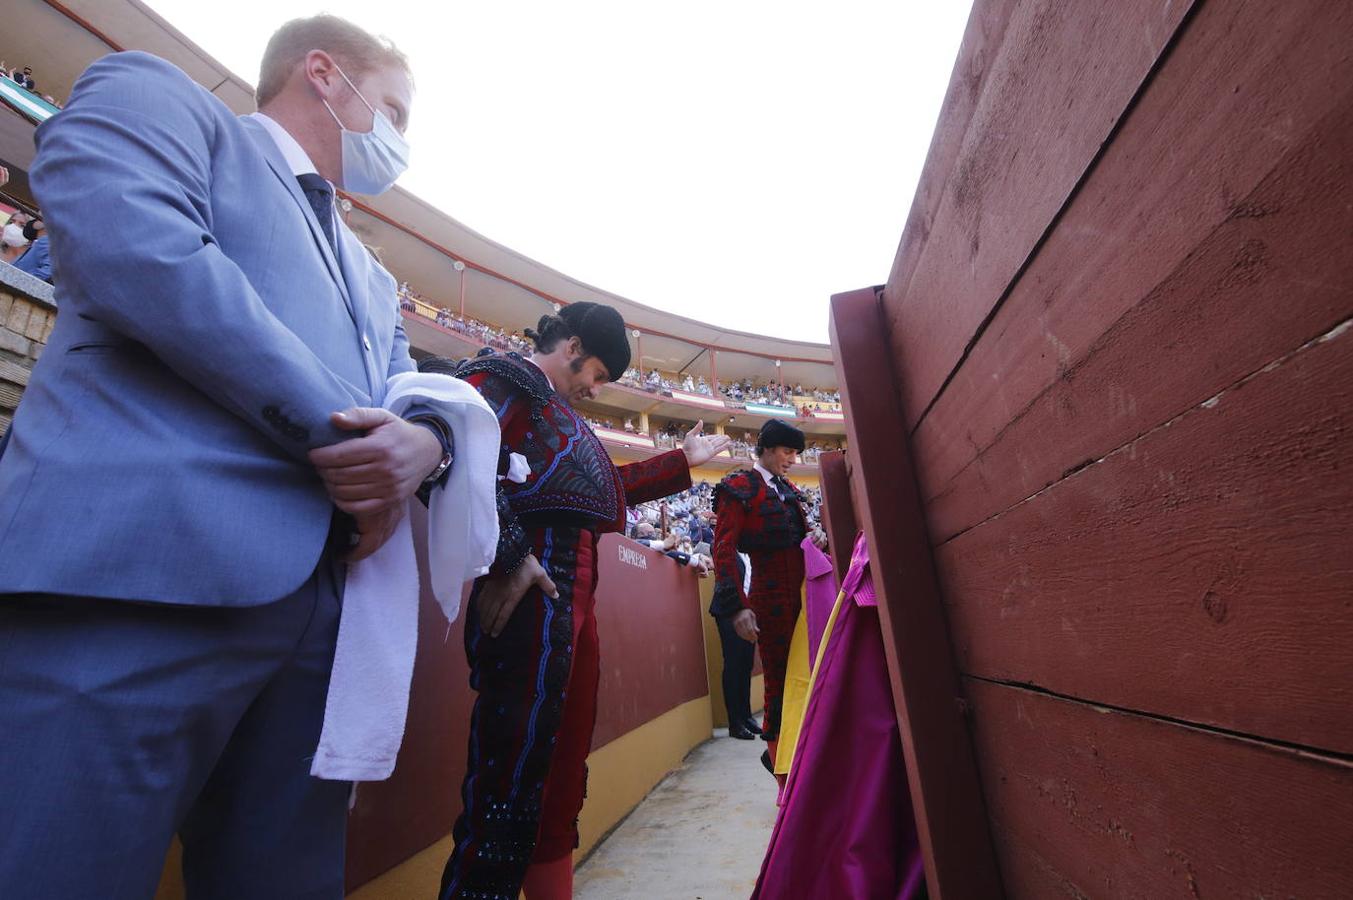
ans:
(751, 725)
(741, 734)
(765, 761)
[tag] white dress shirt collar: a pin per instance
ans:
(548, 379)
(765, 473)
(297, 159)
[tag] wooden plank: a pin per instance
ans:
(941, 772)
(838, 510)
(1063, 77)
(1088, 802)
(1201, 572)
(1228, 254)
(981, 45)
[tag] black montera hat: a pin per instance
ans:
(780, 434)
(602, 331)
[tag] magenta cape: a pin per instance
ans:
(845, 827)
(819, 593)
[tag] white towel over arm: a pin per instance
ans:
(368, 700)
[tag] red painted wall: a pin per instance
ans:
(1121, 332)
(652, 639)
(652, 660)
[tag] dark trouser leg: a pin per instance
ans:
(113, 716)
(737, 672)
(263, 827)
(521, 677)
(566, 787)
(776, 598)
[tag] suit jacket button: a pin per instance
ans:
(366, 343)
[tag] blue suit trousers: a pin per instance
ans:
(122, 723)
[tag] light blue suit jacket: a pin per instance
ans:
(205, 334)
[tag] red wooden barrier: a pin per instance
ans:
(838, 511)
(1088, 802)
(941, 772)
(1122, 341)
(652, 637)
(1048, 101)
(1202, 572)
(1191, 267)
(652, 660)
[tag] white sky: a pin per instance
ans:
(736, 162)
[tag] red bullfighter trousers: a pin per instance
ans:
(531, 728)
(776, 598)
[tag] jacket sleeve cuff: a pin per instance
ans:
(726, 602)
(513, 547)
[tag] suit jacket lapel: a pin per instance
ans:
(355, 269)
(280, 168)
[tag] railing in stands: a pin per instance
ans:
(25, 102)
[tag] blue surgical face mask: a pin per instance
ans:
(372, 160)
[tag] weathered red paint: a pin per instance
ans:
(1201, 572)
(941, 772)
(1049, 100)
(1122, 338)
(652, 638)
(1088, 802)
(1192, 268)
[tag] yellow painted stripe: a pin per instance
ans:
(620, 775)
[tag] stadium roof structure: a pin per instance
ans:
(417, 241)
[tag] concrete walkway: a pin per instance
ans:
(700, 835)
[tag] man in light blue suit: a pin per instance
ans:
(199, 449)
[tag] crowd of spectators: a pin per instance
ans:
(748, 391)
(739, 392)
(486, 334)
(23, 77)
(684, 523)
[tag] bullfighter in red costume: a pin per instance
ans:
(761, 514)
(530, 631)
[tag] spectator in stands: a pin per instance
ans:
(4, 176)
(37, 259)
(12, 240)
(196, 624)
(706, 527)
(647, 535)
(24, 78)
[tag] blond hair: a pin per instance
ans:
(355, 50)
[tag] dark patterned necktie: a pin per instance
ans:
(321, 197)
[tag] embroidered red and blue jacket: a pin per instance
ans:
(571, 479)
(754, 520)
